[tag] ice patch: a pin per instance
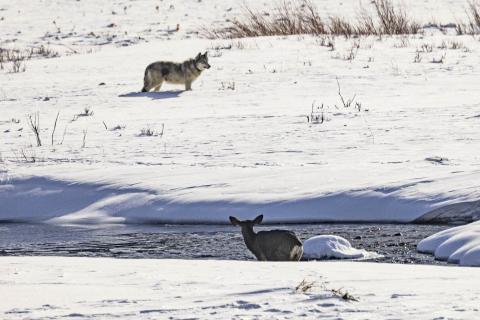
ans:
(330, 246)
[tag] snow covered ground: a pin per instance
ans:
(405, 150)
(456, 245)
(330, 246)
(85, 288)
(238, 144)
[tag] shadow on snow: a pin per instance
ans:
(40, 199)
(153, 95)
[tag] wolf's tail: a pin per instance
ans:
(146, 81)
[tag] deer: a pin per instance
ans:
(272, 245)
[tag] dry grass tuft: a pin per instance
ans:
(305, 286)
(343, 294)
(18, 57)
(302, 17)
(472, 27)
(393, 20)
(34, 124)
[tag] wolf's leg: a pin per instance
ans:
(158, 86)
(188, 85)
(146, 87)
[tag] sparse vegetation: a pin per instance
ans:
(392, 20)
(305, 286)
(418, 57)
(64, 134)
(27, 155)
(55, 126)
(87, 112)
(455, 45)
(221, 47)
(302, 17)
(340, 293)
(227, 85)
(118, 127)
(318, 113)
(472, 26)
(148, 132)
(18, 65)
(327, 41)
(18, 57)
(44, 52)
(84, 140)
(114, 128)
(440, 59)
(352, 51)
(426, 47)
(345, 102)
(13, 56)
(317, 116)
(403, 43)
(34, 124)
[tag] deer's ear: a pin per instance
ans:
(234, 221)
(258, 219)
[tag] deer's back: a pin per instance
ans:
(279, 245)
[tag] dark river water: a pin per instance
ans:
(396, 242)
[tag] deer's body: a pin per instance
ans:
(273, 245)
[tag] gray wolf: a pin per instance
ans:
(273, 245)
(178, 73)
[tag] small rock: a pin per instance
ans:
(102, 84)
(398, 234)
(358, 238)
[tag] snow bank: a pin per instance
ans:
(456, 245)
(98, 288)
(38, 199)
(330, 246)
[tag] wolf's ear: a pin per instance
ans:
(258, 219)
(198, 55)
(205, 54)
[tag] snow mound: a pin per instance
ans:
(456, 245)
(329, 246)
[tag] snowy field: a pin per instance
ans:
(76, 288)
(239, 143)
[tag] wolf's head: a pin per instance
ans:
(201, 61)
